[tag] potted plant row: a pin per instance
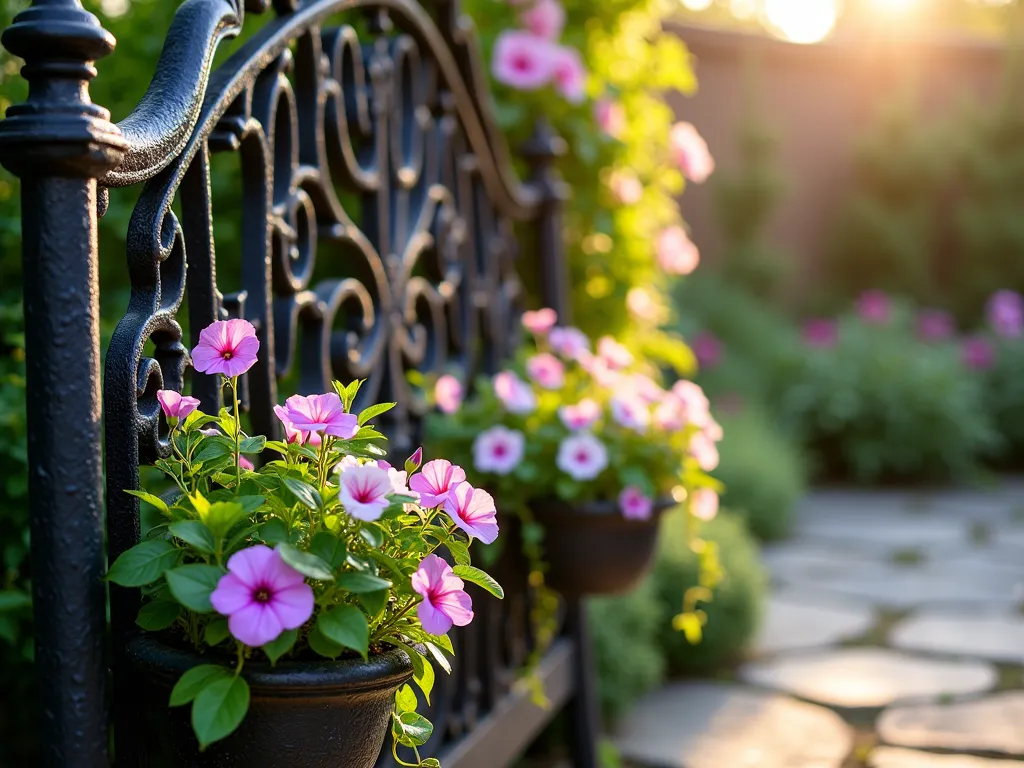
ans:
(587, 447)
(287, 608)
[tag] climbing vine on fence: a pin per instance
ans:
(610, 64)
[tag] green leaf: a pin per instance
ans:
(197, 419)
(143, 564)
(374, 602)
(430, 762)
(157, 614)
(250, 503)
(323, 645)
(328, 548)
(307, 495)
(481, 579)
(347, 626)
(252, 444)
(149, 498)
(223, 516)
(439, 657)
(444, 642)
(459, 550)
(411, 729)
(193, 681)
(216, 631)
(425, 678)
(214, 448)
(195, 534)
(192, 584)
(359, 583)
(274, 531)
(372, 535)
(219, 709)
(13, 599)
(275, 649)
(374, 410)
(388, 562)
(405, 699)
(305, 563)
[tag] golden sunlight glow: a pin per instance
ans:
(697, 5)
(895, 6)
(743, 9)
(802, 21)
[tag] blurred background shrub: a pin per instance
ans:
(764, 471)
(733, 614)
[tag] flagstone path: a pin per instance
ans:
(894, 638)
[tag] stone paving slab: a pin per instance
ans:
(868, 677)
(932, 584)
(893, 757)
(998, 637)
(797, 620)
(991, 724)
(724, 725)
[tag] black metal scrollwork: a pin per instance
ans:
(377, 239)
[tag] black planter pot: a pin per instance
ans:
(591, 549)
(315, 714)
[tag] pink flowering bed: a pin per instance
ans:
(325, 551)
(885, 392)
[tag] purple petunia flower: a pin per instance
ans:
(226, 346)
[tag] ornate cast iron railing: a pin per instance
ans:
(377, 239)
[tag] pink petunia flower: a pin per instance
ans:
(704, 504)
(570, 74)
(707, 348)
(625, 187)
(580, 416)
(615, 354)
(821, 333)
(262, 596)
(669, 415)
(631, 412)
(1005, 313)
(445, 601)
(498, 450)
(399, 480)
(436, 481)
(874, 307)
(634, 504)
(704, 450)
(364, 490)
(569, 342)
(676, 252)
(473, 510)
(696, 407)
(448, 394)
(646, 388)
(321, 413)
(540, 321)
(610, 116)
(545, 19)
(514, 393)
(713, 429)
(546, 370)
(245, 464)
(934, 325)
(293, 435)
(642, 305)
(602, 371)
(523, 61)
(226, 346)
(176, 405)
(691, 152)
(978, 353)
(582, 456)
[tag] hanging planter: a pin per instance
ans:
(591, 549)
(302, 714)
(286, 608)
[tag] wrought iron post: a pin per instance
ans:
(541, 151)
(59, 143)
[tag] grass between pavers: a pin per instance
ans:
(878, 634)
